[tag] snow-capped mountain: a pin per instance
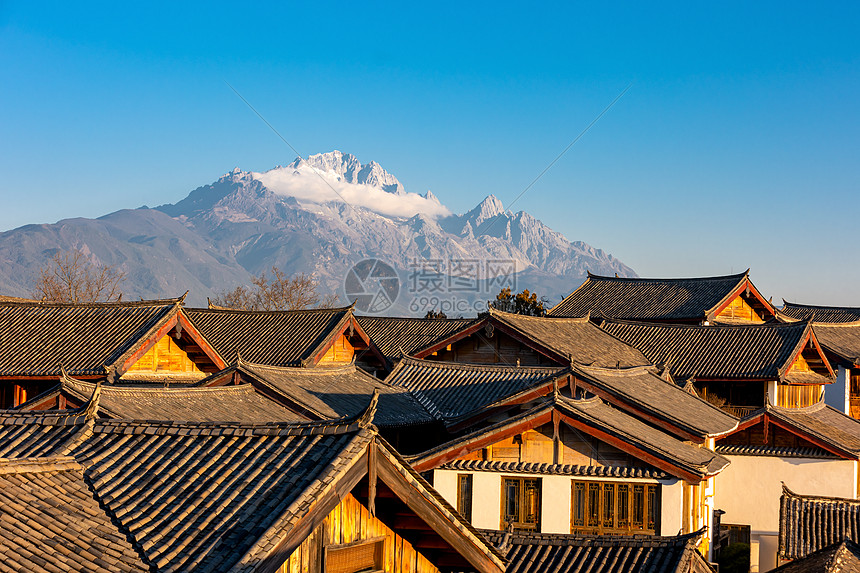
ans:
(319, 215)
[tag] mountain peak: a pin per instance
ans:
(349, 169)
(490, 207)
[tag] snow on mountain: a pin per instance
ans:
(319, 216)
(337, 177)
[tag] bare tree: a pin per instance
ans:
(70, 277)
(277, 292)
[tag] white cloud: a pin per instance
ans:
(314, 186)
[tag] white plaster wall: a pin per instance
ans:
(768, 547)
(836, 394)
(555, 499)
(445, 482)
(486, 500)
(486, 495)
(671, 506)
(555, 504)
(748, 490)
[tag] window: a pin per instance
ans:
(614, 507)
(521, 504)
(464, 495)
(355, 557)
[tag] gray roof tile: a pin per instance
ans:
(648, 299)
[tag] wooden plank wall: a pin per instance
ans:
(341, 352)
(499, 349)
(798, 395)
(349, 522)
(165, 356)
(536, 446)
(739, 311)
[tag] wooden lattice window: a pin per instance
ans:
(355, 557)
(521, 504)
(614, 507)
(464, 495)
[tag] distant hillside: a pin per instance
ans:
(296, 218)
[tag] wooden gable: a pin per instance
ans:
(351, 539)
(166, 357)
(744, 305)
(492, 346)
(342, 351)
(811, 358)
(739, 310)
(538, 446)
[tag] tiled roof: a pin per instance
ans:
(240, 403)
(648, 299)
(577, 339)
(810, 523)
(617, 472)
(642, 389)
(821, 314)
(842, 339)
(225, 496)
(677, 456)
(36, 338)
(30, 434)
(329, 393)
(51, 522)
(842, 557)
(409, 335)
(822, 422)
(450, 390)
(277, 338)
(762, 351)
(571, 553)
(774, 451)
(199, 495)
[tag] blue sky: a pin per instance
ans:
(736, 145)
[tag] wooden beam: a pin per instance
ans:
(432, 514)
(482, 441)
(317, 513)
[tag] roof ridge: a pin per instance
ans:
(415, 318)
(820, 306)
(503, 314)
(124, 303)
(405, 358)
(317, 370)
(790, 493)
(38, 464)
(294, 311)
(150, 388)
(710, 327)
(677, 279)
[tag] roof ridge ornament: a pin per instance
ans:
(365, 419)
(90, 411)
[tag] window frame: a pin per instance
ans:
(522, 523)
(634, 507)
(465, 497)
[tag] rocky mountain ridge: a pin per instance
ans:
(294, 217)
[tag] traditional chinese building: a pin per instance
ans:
(145, 341)
(813, 449)
(305, 338)
(727, 299)
(838, 330)
(738, 367)
(201, 496)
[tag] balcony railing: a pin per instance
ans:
(740, 411)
